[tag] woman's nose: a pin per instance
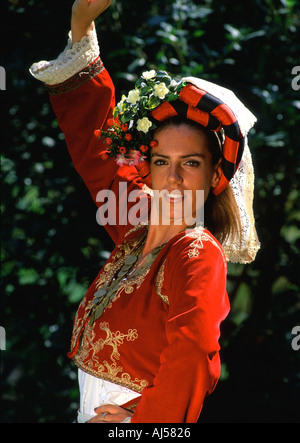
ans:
(174, 175)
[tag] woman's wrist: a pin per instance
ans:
(84, 12)
(80, 30)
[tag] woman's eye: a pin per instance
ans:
(160, 162)
(190, 163)
(193, 163)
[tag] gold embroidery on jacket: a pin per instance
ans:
(78, 322)
(135, 228)
(109, 271)
(112, 268)
(109, 369)
(128, 285)
(159, 283)
(200, 236)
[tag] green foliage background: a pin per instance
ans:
(51, 245)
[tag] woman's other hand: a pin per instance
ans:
(84, 12)
(110, 414)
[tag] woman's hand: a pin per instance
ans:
(110, 414)
(84, 12)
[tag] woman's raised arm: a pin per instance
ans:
(84, 12)
(83, 98)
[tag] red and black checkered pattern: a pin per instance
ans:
(210, 112)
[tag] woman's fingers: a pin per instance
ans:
(110, 414)
(110, 409)
(90, 9)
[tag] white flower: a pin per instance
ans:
(120, 104)
(133, 96)
(173, 83)
(161, 90)
(147, 75)
(144, 124)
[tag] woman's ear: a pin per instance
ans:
(216, 174)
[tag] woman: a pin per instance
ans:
(145, 336)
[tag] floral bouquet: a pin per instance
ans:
(129, 135)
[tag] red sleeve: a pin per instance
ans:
(83, 105)
(190, 365)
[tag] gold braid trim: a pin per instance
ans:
(159, 284)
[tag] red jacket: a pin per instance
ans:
(159, 335)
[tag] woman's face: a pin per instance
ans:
(182, 162)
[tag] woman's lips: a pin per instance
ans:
(173, 196)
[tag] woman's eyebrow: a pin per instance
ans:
(196, 154)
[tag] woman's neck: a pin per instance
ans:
(159, 235)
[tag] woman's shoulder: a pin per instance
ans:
(195, 244)
(195, 266)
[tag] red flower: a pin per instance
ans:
(123, 150)
(110, 122)
(128, 137)
(104, 155)
(98, 133)
(144, 148)
(125, 127)
(153, 144)
(108, 141)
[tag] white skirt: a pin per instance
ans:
(95, 392)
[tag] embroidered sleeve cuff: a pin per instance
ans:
(70, 62)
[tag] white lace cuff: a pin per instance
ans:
(70, 62)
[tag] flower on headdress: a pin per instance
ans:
(104, 155)
(135, 157)
(112, 121)
(144, 148)
(161, 90)
(154, 143)
(98, 133)
(128, 135)
(133, 96)
(148, 75)
(120, 104)
(144, 124)
(109, 141)
(121, 160)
